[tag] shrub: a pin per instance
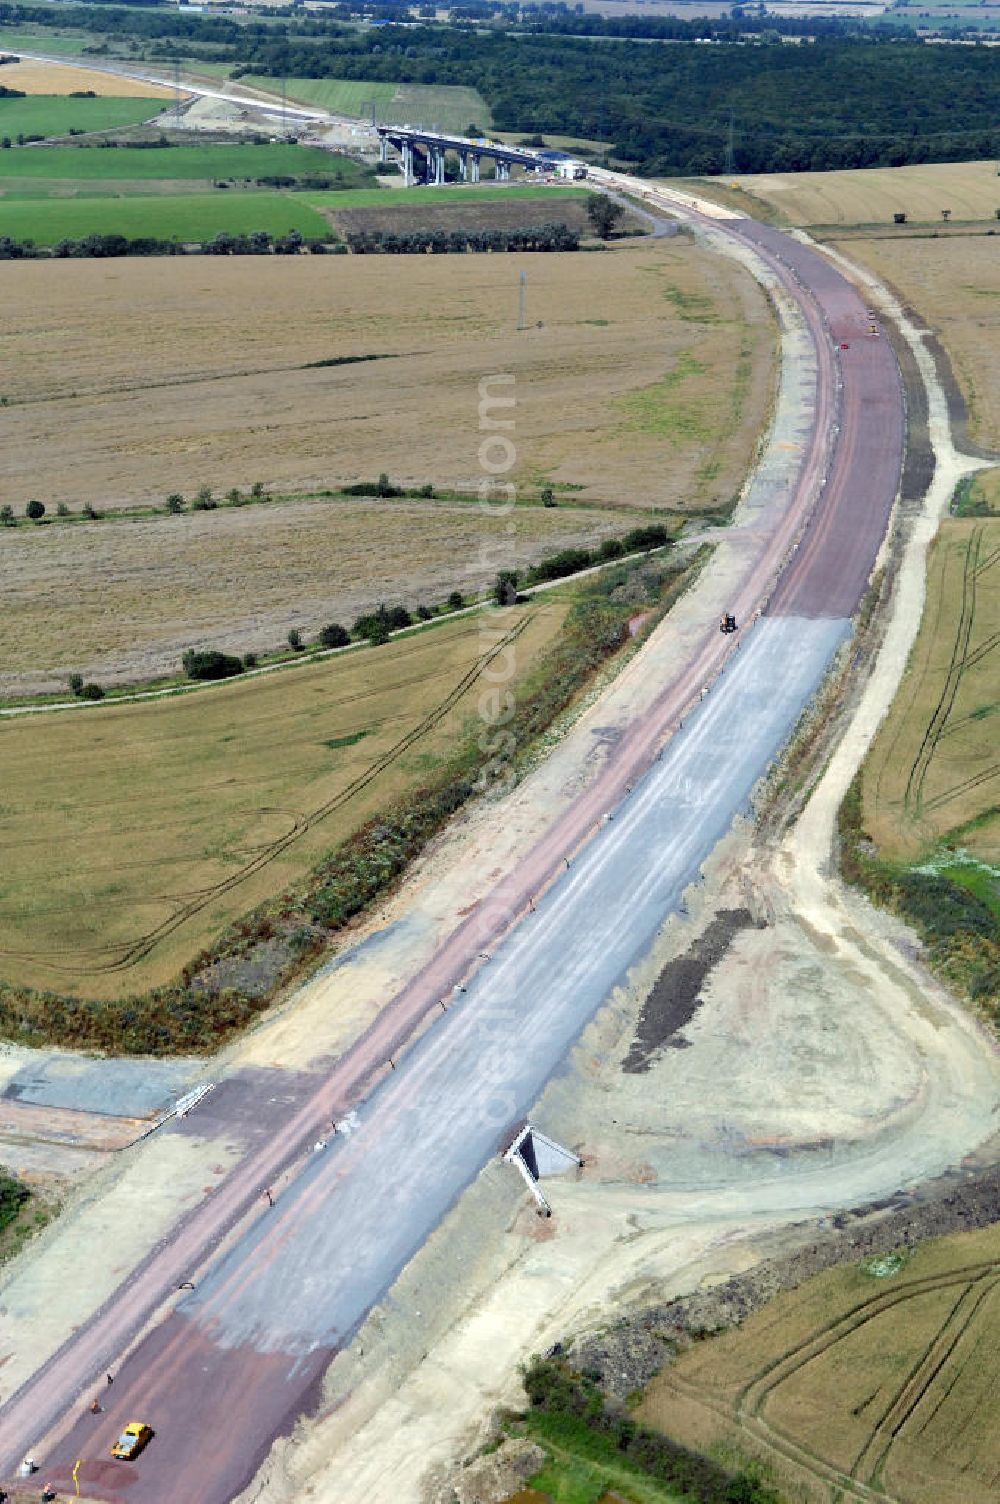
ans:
(7, 518)
(89, 510)
(75, 682)
(548, 497)
(210, 664)
(62, 510)
(424, 613)
(654, 535)
(35, 510)
(249, 660)
(204, 501)
(378, 624)
(334, 635)
(175, 503)
(91, 692)
(295, 640)
(456, 601)
(505, 587)
(235, 497)
(257, 490)
(611, 548)
(567, 561)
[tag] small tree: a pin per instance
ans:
(175, 503)
(548, 497)
(235, 497)
(75, 682)
(91, 692)
(456, 600)
(603, 214)
(295, 640)
(334, 635)
(257, 490)
(62, 510)
(249, 660)
(204, 501)
(89, 510)
(7, 518)
(505, 587)
(383, 488)
(35, 510)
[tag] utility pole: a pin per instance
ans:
(522, 322)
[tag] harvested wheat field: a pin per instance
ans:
(872, 195)
(933, 773)
(133, 834)
(953, 283)
(143, 590)
(644, 376)
(67, 78)
(868, 1376)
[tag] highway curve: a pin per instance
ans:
(231, 1365)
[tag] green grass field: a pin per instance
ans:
(65, 164)
(183, 216)
(56, 115)
(46, 41)
(389, 198)
(452, 108)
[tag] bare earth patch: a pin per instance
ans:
(169, 374)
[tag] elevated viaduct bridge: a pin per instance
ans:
(412, 143)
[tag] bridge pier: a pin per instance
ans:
(502, 171)
(463, 166)
(475, 167)
(407, 150)
(383, 148)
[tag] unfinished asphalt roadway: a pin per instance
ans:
(233, 1364)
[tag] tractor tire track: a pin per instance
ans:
(128, 952)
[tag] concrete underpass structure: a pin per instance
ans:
(422, 154)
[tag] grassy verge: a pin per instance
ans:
(208, 1003)
(594, 1445)
(21, 1215)
(954, 906)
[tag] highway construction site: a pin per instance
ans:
(635, 949)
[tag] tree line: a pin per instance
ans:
(545, 237)
(662, 92)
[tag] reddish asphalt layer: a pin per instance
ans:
(841, 539)
(216, 1410)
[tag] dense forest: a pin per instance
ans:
(848, 98)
